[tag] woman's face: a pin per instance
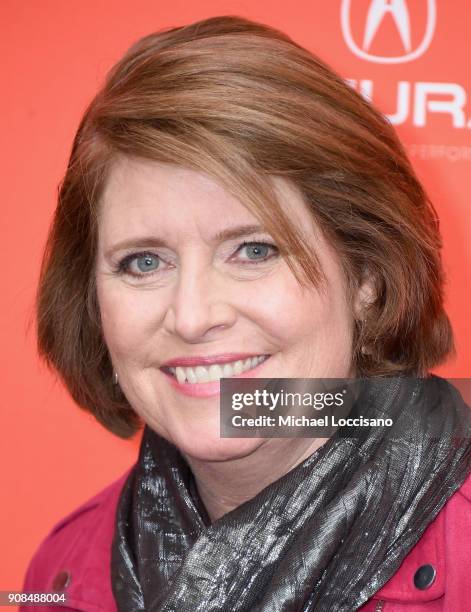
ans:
(173, 283)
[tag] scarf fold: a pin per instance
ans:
(325, 536)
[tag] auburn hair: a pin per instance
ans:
(242, 102)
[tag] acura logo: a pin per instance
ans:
(378, 10)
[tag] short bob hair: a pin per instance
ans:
(242, 102)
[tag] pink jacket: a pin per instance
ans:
(76, 554)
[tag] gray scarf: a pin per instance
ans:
(325, 536)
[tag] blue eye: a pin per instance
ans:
(257, 251)
(145, 262)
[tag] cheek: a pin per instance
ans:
(292, 312)
(313, 323)
(127, 318)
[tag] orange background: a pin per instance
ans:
(55, 55)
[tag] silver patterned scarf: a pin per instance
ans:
(325, 536)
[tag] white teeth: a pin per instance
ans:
(180, 374)
(215, 372)
(203, 374)
(191, 376)
(227, 371)
(238, 367)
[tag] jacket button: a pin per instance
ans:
(424, 576)
(61, 581)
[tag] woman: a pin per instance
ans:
(232, 208)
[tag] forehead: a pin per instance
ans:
(142, 192)
(136, 183)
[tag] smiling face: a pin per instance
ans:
(173, 281)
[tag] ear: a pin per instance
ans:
(365, 295)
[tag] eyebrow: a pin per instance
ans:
(154, 241)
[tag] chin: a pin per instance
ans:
(217, 449)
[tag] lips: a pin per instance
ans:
(206, 389)
(208, 359)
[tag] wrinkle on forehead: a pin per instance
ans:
(145, 198)
(118, 184)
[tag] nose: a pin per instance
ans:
(200, 305)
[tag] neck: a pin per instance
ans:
(224, 485)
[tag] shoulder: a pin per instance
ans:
(90, 509)
(465, 489)
(444, 546)
(75, 555)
